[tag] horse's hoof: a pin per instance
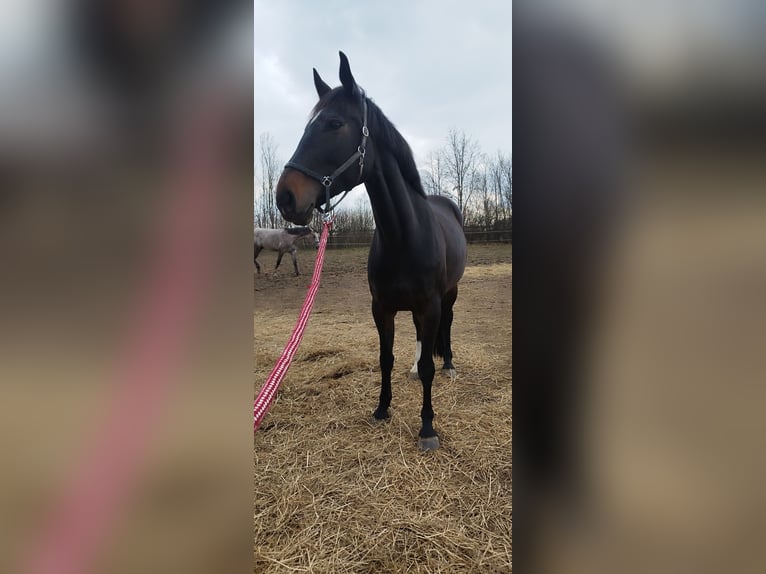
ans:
(428, 444)
(378, 416)
(451, 372)
(414, 376)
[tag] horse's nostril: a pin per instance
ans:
(286, 201)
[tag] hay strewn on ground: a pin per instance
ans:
(335, 492)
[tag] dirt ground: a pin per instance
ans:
(335, 492)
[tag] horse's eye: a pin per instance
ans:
(335, 124)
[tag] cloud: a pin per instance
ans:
(430, 65)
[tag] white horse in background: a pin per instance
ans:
(282, 241)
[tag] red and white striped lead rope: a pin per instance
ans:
(270, 387)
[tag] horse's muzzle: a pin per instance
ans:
(287, 207)
(294, 202)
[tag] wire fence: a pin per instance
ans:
(363, 239)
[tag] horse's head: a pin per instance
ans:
(333, 148)
(306, 233)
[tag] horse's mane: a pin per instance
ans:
(383, 132)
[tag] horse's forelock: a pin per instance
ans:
(335, 95)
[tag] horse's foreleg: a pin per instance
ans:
(384, 321)
(418, 348)
(279, 260)
(255, 258)
(295, 261)
(429, 323)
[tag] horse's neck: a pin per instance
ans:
(398, 210)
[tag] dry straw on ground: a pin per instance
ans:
(335, 492)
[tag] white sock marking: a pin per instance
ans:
(418, 348)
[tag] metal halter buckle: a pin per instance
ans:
(327, 181)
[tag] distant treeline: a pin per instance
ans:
(481, 185)
(474, 234)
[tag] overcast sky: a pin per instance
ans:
(429, 64)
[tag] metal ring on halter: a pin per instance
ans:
(327, 204)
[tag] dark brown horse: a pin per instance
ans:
(418, 252)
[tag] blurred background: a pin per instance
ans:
(126, 153)
(126, 174)
(640, 286)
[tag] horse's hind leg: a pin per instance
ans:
(255, 258)
(384, 321)
(295, 261)
(418, 348)
(445, 328)
(279, 260)
(429, 323)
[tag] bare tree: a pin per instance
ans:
(266, 211)
(507, 180)
(435, 177)
(461, 157)
(496, 187)
(501, 187)
(480, 186)
(353, 225)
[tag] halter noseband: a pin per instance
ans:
(327, 180)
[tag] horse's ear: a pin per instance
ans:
(321, 87)
(349, 84)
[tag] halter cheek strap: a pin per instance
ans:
(327, 180)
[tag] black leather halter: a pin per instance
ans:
(326, 180)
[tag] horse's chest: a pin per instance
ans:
(400, 289)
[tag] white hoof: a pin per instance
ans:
(428, 444)
(451, 372)
(414, 376)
